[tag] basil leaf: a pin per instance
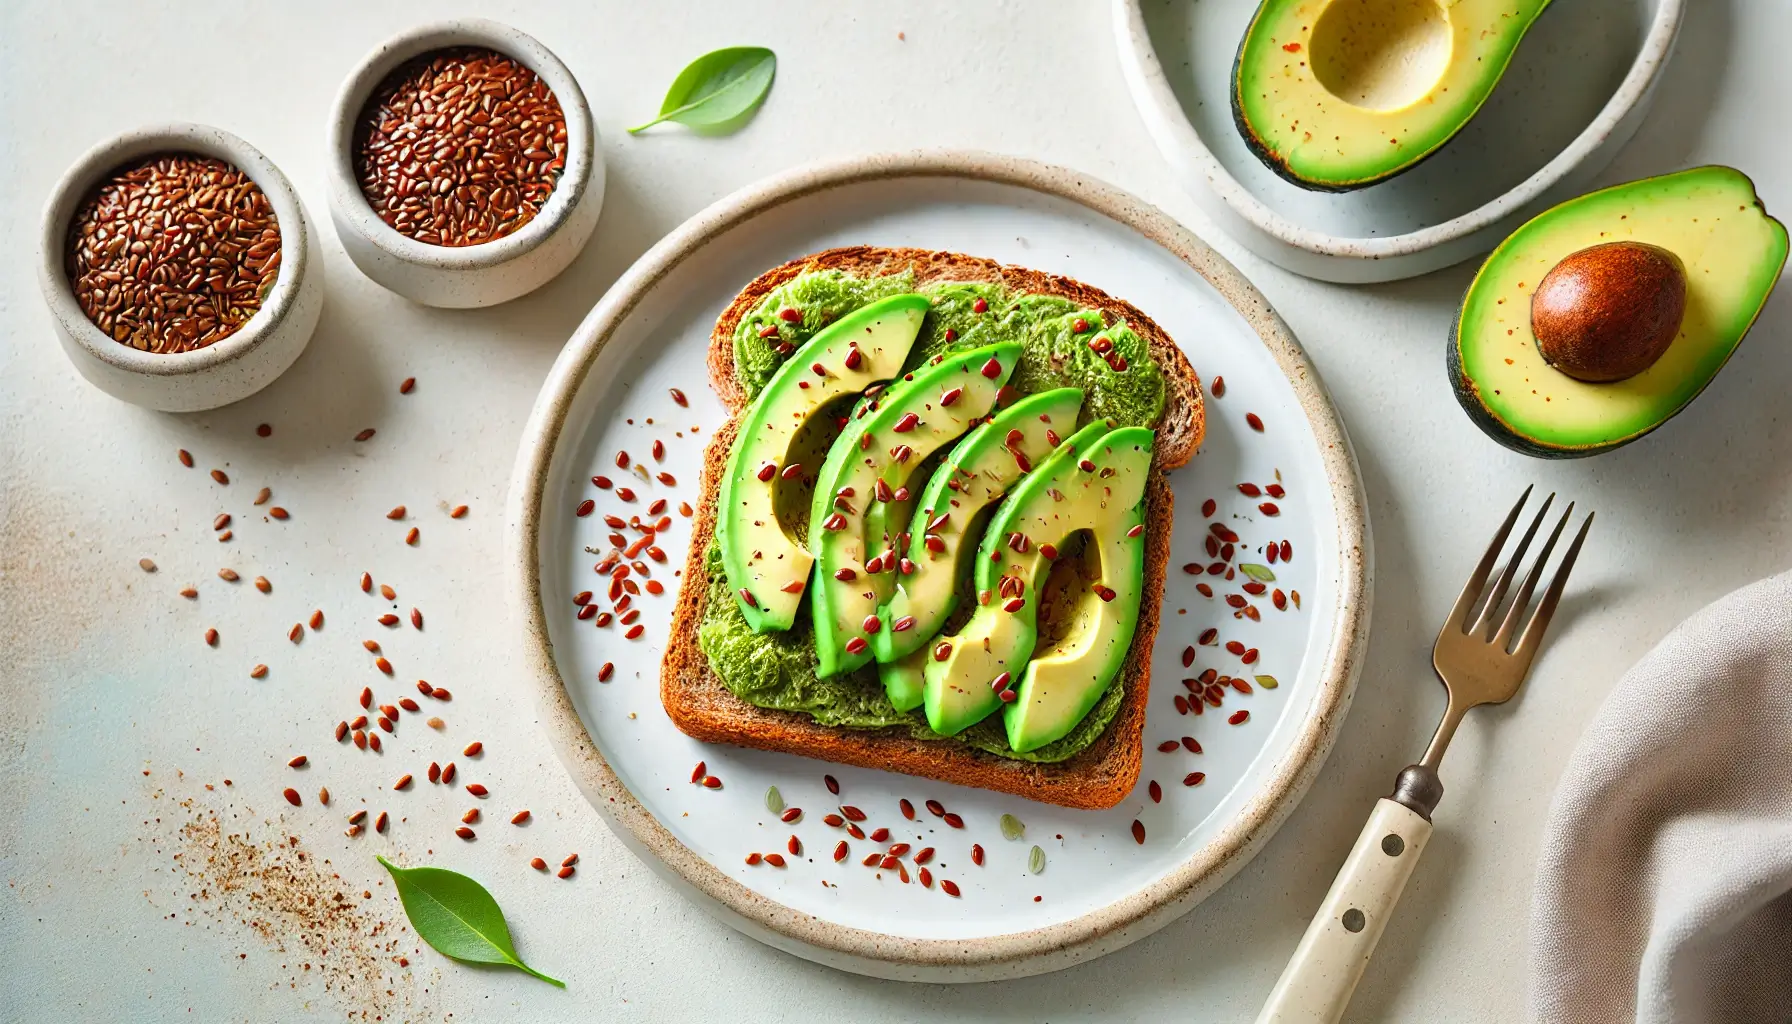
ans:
(717, 93)
(457, 916)
(774, 801)
(1260, 573)
(1036, 860)
(1012, 828)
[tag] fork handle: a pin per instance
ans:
(1319, 979)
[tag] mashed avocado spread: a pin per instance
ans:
(777, 669)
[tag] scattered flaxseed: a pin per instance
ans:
(262, 584)
(473, 749)
(457, 512)
(277, 512)
(221, 521)
(317, 619)
(225, 536)
(258, 672)
(146, 565)
(387, 592)
(366, 582)
(396, 513)
(411, 538)
(228, 575)
(189, 593)
(364, 435)
(211, 638)
(264, 430)
(405, 386)
(435, 723)
(416, 619)
(297, 632)
(297, 762)
(538, 864)
(220, 476)
(519, 817)
(262, 496)
(186, 458)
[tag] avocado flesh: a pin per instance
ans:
(910, 415)
(905, 680)
(1064, 681)
(1339, 95)
(959, 692)
(974, 476)
(1733, 253)
(759, 556)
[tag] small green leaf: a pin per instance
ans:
(1260, 573)
(1267, 682)
(718, 92)
(774, 801)
(1036, 860)
(1012, 827)
(457, 916)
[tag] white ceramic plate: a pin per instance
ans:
(1100, 889)
(1575, 92)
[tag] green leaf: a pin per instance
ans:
(457, 916)
(1012, 827)
(774, 801)
(717, 93)
(1036, 860)
(1260, 573)
(1267, 682)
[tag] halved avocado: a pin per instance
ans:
(917, 416)
(767, 567)
(1334, 95)
(944, 534)
(1732, 253)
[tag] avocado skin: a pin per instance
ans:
(1468, 393)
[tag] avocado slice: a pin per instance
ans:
(1087, 482)
(767, 567)
(1061, 684)
(1732, 253)
(973, 477)
(867, 465)
(1338, 96)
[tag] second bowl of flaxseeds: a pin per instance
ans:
(464, 166)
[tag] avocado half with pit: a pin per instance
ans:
(1601, 318)
(1335, 95)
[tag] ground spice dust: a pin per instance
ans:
(329, 931)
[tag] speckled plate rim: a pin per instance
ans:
(1183, 147)
(862, 951)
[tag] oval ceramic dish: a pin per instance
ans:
(459, 277)
(1098, 889)
(228, 370)
(1575, 92)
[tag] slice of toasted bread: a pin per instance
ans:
(1101, 775)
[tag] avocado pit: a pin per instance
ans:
(1608, 312)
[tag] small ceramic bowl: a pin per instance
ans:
(227, 370)
(460, 277)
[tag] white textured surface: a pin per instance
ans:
(105, 675)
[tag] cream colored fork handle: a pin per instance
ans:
(1317, 983)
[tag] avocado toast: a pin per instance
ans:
(926, 395)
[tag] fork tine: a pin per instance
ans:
(1491, 609)
(1529, 586)
(1472, 590)
(1533, 632)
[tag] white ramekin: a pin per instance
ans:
(224, 371)
(475, 275)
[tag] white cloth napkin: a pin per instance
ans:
(1664, 890)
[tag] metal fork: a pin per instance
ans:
(1479, 663)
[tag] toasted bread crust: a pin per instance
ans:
(1099, 776)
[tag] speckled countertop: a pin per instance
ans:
(118, 725)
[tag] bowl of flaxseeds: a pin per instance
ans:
(179, 269)
(464, 168)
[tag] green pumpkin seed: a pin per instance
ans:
(1012, 828)
(774, 801)
(1260, 573)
